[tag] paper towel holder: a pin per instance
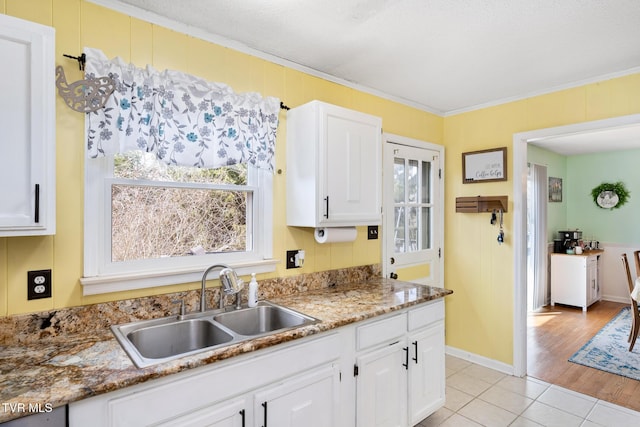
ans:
(335, 234)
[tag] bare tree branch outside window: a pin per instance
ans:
(161, 220)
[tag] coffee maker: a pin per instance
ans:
(568, 239)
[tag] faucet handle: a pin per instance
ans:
(230, 281)
(183, 311)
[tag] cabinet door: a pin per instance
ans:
(381, 387)
(309, 400)
(351, 168)
(227, 414)
(569, 280)
(426, 372)
(592, 280)
(27, 141)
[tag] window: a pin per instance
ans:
(201, 194)
(412, 211)
(151, 224)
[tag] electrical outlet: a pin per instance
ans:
(291, 259)
(372, 232)
(38, 284)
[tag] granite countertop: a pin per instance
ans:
(56, 369)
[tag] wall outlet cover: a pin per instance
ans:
(372, 232)
(38, 284)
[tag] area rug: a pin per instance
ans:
(608, 350)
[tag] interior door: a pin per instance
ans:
(413, 227)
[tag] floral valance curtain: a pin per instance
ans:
(182, 119)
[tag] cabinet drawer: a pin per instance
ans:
(380, 331)
(422, 316)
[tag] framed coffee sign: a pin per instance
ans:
(484, 166)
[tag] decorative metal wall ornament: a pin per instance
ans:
(84, 96)
(610, 196)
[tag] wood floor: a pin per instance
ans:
(554, 334)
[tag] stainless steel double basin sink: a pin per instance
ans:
(149, 342)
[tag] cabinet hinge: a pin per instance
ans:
(439, 252)
(355, 370)
(340, 376)
(440, 173)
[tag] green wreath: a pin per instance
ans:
(602, 195)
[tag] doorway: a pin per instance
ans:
(520, 143)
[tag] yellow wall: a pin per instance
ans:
(479, 315)
(78, 24)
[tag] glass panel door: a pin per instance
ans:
(413, 191)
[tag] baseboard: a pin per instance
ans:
(480, 360)
(615, 298)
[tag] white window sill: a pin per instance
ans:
(126, 282)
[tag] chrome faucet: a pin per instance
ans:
(230, 285)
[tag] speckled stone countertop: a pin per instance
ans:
(83, 359)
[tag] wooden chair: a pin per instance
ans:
(636, 255)
(635, 315)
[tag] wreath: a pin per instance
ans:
(605, 195)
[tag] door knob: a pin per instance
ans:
(393, 275)
(392, 260)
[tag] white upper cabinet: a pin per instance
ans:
(27, 128)
(334, 167)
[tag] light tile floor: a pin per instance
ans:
(479, 396)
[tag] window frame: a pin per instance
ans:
(101, 275)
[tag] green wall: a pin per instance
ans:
(584, 172)
(580, 174)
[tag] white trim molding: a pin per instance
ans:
(124, 282)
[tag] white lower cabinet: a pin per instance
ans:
(226, 414)
(295, 382)
(309, 400)
(426, 380)
(400, 377)
(574, 280)
(382, 372)
(382, 387)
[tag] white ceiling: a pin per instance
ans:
(610, 139)
(443, 56)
